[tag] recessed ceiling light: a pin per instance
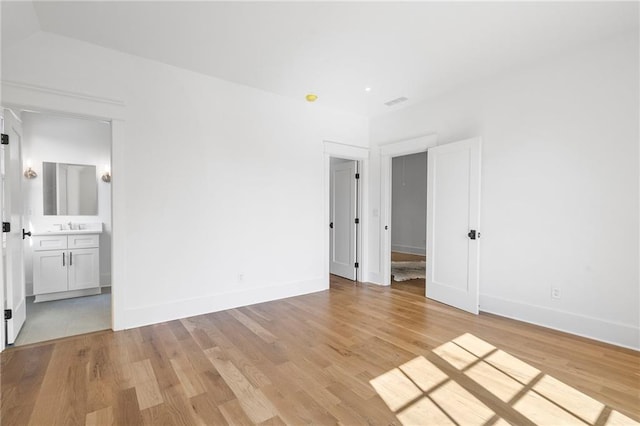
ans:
(311, 97)
(367, 89)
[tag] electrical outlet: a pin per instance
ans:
(555, 293)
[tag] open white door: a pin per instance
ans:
(11, 173)
(453, 219)
(342, 240)
(3, 281)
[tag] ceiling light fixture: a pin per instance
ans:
(311, 97)
(367, 89)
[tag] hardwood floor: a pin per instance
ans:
(354, 354)
(415, 286)
(399, 257)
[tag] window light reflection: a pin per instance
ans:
(421, 392)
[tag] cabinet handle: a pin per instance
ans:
(70, 259)
(63, 253)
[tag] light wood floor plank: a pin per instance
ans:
(354, 354)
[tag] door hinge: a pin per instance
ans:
(8, 314)
(357, 265)
(5, 139)
(473, 234)
(357, 175)
(6, 226)
(357, 220)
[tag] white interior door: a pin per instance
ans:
(11, 171)
(453, 219)
(342, 240)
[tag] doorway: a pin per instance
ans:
(453, 217)
(409, 222)
(344, 225)
(65, 211)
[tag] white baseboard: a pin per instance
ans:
(154, 314)
(102, 284)
(47, 297)
(376, 278)
(408, 249)
(624, 335)
(372, 277)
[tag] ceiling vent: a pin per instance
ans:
(396, 101)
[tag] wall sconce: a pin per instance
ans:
(106, 174)
(29, 173)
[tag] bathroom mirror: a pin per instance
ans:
(69, 189)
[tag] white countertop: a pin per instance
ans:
(68, 232)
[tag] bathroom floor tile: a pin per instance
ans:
(63, 318)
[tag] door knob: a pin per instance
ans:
(25, 234)
(331, 225)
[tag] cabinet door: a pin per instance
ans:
(83, 241)
(84, 268)
(49, 242)
(50, 271)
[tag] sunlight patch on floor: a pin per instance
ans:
(395, 388)
(569, 398)
(455, 355)
(423, 373)
(419, 392)
(519, 370)
(618, 419)
(495, 381)
(541, 411)
(424, 411)
(461, 405)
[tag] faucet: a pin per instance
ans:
(70, 225)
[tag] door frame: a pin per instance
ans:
(14, 234)
(387, 153)
(2, 254)
(361, 156)
(19, 96)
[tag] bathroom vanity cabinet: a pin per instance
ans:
(66, 265)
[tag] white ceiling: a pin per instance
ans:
(414, 49)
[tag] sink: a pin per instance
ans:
(87, 228)
(71, 231)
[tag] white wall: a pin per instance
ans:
(59, 139)
(216, 180)
(559, 186)
(409, 203)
